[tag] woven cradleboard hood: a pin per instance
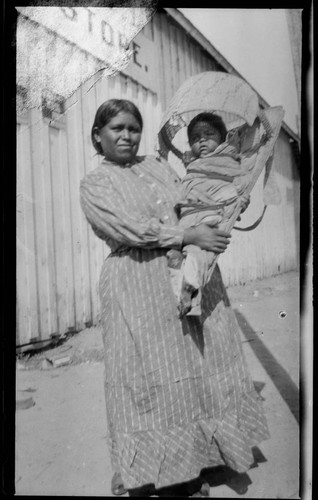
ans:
(227, 95)
(237, 103)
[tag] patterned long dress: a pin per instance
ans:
(179, 396)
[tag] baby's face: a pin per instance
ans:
(204, 139)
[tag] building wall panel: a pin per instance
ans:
(272, 247)
(27, 297)
(44, 224)
(80, 251)
(59, 257)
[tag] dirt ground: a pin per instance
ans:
(61, 420)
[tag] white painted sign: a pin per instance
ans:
(107, 33)
(143, 67)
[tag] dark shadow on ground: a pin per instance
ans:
(283, 382)
(220, 475)
(223, 475)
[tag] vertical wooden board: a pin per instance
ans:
(122, 85)
(169, 82)
(91, 160)
(157, 115)
(102, 89)
(148, 29)
(133, 91)
(276, 246)
(244, 259)
(62, 228)
(175, 57)
(116, 86)
(68, 253)
(151, 128)
(103, 93)
(128, 85)
(45, 258)
(209, 64)
(199, 60)
(191, 57)
(88, 243)
(98, 254)
(27, 305)
(288, 184)
(276, 228)
(271, 250)
(183, 70)
(23, 298)
(202, 61)
(58, 228)
(187, 56)
(139, 103)
(144, 144)
(78, 221)
(49, 236)
(289, 236)
(196, 58)
(186, 45)
(205, 64)
(134, 94)
(89, 110)
(44, 224)
(296, 217)
(255, 248)
(160, 59)
(257, 251)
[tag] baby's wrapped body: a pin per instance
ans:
(211, 189)
(212, 186)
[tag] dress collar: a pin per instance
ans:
(138, 159)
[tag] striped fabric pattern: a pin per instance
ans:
(179, 396)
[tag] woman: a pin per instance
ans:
(178, 394)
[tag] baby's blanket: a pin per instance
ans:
(219, 177)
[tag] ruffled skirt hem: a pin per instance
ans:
(179, 454)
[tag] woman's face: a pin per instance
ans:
(120, 138)
(204, 139)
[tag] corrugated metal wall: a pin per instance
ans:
(59, 258)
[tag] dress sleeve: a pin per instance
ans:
(105, 209)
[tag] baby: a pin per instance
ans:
(214, 182)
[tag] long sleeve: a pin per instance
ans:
(116, 214)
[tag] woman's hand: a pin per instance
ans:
(245, 201)
(207, 238)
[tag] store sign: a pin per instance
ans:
(143, 67)
(107, 33)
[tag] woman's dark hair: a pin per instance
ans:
(108, 110)
(210, 118)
